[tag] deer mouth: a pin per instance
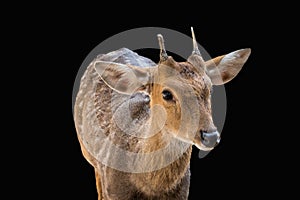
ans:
(206, 141)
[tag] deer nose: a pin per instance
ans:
(210, 139)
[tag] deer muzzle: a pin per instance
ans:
(208, 141)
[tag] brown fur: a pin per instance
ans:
(94, 111)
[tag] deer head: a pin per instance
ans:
(173, 98)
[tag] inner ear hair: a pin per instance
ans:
(212, 63)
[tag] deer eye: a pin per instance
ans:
(167, 95)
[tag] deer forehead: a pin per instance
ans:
(181, 74)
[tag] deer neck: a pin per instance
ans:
(164, 179)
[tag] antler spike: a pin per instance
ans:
(195, 45)
(163, 54)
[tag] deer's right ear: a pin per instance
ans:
(122, 78)
(223, 69)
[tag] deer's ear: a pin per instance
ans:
(224, 68)
(122, 78)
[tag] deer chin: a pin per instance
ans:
(201, 146)
(203, 150)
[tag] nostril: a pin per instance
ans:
(205, 138)
(140, 97)
(202, 135)
(147, 98)
(210, 139)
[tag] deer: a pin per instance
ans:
(137, 120)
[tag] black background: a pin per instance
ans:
(52, 41)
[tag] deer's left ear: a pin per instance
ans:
(223, 69)
(120, 77)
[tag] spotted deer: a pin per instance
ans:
(136, 120)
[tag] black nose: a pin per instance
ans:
(210, 139)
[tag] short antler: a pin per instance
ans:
(195, 45)
(163, 54)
